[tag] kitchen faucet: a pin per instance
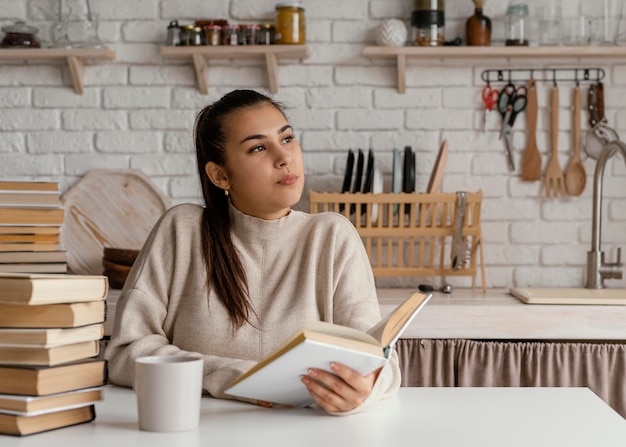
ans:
(597, 269)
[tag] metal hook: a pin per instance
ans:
(500, 76)
(586, 74)
(554, 77)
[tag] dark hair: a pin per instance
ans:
(225, 272)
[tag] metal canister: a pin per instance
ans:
(290, 24)
(173, 34)
(265, 35)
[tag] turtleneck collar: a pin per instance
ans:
(254, 229)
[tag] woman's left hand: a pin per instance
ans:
(342, 391)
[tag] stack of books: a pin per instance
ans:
(51, 326)
(31, 216)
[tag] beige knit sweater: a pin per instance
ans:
(300, 267)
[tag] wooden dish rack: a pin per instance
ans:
(410, 234)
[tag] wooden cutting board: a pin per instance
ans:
(555, 295)
(107, 207)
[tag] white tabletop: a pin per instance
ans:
(481, 417)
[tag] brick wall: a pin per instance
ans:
(138, 111)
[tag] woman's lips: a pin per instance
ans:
(288, 179)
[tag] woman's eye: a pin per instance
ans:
(289, 138)
(257, 148)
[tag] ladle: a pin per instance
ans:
(575, 176)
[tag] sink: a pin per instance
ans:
(569, 295)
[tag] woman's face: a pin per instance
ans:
(264, 173)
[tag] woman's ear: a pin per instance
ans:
(217, 175)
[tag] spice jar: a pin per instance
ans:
(265, 35)
(20, 35)
(213, 34)
(427, 22)
(516, 25)
(230, 35)
(173, 34)
(290, 24)
(250, 34)
(478, 27)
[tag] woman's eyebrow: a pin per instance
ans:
(261, 137)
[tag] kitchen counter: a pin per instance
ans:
(495, 315)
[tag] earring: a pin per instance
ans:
(226, 192)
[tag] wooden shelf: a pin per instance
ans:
(494, 52)
(75, 58)
(200, 55)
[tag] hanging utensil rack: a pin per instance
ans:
(554, 75)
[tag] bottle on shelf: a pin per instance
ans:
(478, 26)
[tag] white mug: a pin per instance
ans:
(169, 390)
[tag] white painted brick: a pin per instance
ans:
(128, 142)
(438, 119)
(338, 97)
(186, 97)
(551, 232)
(59, 142)
(462, 97)
(369, 119)
(162, 119)
(80, 164)
(60, 98)
(12, 142)
(355, 32)
(389, 98)
(105, 74)
(526, 210)
(163, 75)
(170, 164)
(94, 120)
(318, 31)
(15, 97)
(507, 254)
(128, 10)
(386, 9)
(372, 75)
(186, 187)
(238, 76)
(303, 75)
(495, 232)
(335, 54)
(13, 8)
(179, 142)
(17, 75)
(617, 210)
(110, 33)
(142, 31)
(22, 165)
(417, 140)
(254, 10)
(194, 9)
(612, 233)
(337, 9)
(531, 189)
(318, 140)
(577, 209)
(317, 164)
(436, 76)
(499, 277)
(306, 119)
(563, 255)
(28, 119)
(618, 75)
(548, 277)
(136, 97)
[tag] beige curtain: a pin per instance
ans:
(598, 366)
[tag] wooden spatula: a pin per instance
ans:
(531, 160)
(437, 173)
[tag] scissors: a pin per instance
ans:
(490, 98)
(511, 102)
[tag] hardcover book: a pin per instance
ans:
(276, 378)
(52, 315)
(48, 289)
(56, 355)
(34, 405)
(46, 338)
(11, 424)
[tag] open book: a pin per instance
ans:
(276, 378)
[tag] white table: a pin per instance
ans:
(429, 417)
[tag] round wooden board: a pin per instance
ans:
(108, 208)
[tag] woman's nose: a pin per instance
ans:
(283, 156)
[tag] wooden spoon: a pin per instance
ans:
(531, 161)
(575, 176)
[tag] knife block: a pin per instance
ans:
(410, 234)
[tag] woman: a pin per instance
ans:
(231, 281)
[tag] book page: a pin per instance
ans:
(349, 333)
(390, 328)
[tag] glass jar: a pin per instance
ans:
(290, 24)
(478, 29)
(186, 34)
(20, 35)
(250, 34)
(428, 22)
(213, 35)
(516, 25)
(173, 34)
(265, 35)
(230, 35)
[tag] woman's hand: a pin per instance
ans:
(342, 391)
